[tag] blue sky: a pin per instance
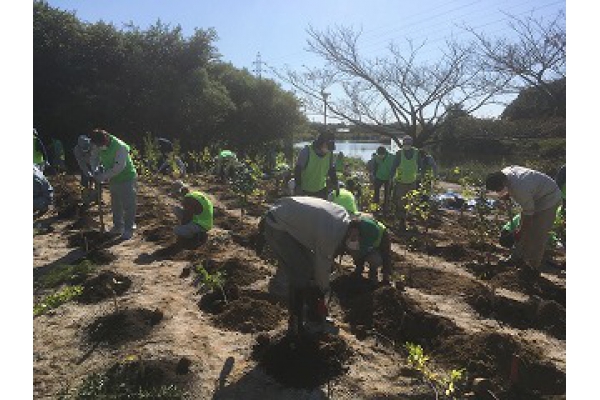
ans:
(277, 29)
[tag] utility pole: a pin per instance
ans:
(258, 63)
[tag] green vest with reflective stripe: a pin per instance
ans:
(38, 156)
(346, 200)
(384, 167)
(107, 158)
(204, 219)
(407, 170)
(314, 176)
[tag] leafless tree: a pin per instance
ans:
(396, 94)
(534, 56)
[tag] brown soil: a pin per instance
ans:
(123, 326)
(306, 363)
(450, 296)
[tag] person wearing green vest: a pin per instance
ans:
(195, 214)
(510, 232)
(225, 164)
(314, 165)
(368, 241)
(112, 154)
(344, 198)
(58, 155)
(381, 175)
(405, 173)
(39, 152)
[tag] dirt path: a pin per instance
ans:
(460, 319)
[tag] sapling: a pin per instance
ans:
(208, 281)
(244, 183)
(418, 360)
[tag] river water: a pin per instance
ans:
(362, 150)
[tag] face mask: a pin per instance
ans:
(352, 245)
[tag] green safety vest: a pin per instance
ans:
(204, 219)
(314, 176)
(107, 158)
(384, 167)
(346, 200)
(370, 238)
(408, 169)
(38, 156)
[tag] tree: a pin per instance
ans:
(534, 103)
(534, 58)
(397, 93)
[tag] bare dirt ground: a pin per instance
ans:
(142, 317)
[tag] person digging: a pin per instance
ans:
(539, 197)
(195, 215)
(305, 233)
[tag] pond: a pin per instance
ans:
(362, 150)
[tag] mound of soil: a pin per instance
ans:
(402, 320)
(159, 234)
(434, 281)
(248, 315)
(93, 239)
(154, 379)
(492, 355)
(101, 256)
(123, 326)
(214, 302)
(237, 271)
(304, 363)
(102, 286)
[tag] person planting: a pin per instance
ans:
(314, 165)
(225, 164)
(195, 214)
(305, 233)
(344, 198)
(539, 197)
(368, 241)
(118, 170)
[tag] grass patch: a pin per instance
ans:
(56, 299)
(66, 274)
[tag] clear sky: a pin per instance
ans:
(277, 29)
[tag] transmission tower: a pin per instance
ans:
(258, 63)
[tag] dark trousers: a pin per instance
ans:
(377, 184)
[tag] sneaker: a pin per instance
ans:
(127, 235)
